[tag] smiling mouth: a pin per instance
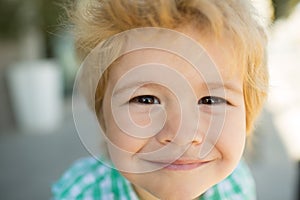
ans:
(181, 164)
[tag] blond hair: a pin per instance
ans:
(96, 20)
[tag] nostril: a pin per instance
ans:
(196, 142)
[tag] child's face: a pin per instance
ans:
(182, 170)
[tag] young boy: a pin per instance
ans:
(176, 86)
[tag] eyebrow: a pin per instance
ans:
(131, 86)
(209, 86)
(227, 85)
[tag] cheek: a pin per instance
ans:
(139, 115)
(232, 140)
(116, 136)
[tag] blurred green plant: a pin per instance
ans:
(17, 15)
(282, 8)
(9, 22)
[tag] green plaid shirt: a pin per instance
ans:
(89, 179)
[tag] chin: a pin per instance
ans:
(180, 194)
(172, 190)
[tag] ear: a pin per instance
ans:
(100, 116)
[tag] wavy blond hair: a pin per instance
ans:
(96, 20)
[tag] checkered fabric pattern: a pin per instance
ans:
(89, 179)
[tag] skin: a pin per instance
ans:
(190, 175)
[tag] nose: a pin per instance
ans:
(181, 128)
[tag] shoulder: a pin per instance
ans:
(88, 178)
(237, 186)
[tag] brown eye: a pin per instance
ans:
(211, 100)
(146, 99)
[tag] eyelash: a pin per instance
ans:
(212, 100)
(207, 100)
(141, 99)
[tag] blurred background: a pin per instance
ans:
(38, 139)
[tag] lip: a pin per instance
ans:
(181, 164)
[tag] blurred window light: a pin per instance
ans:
(284, 66)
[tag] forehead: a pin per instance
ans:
(211, 70)
(216, 57)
